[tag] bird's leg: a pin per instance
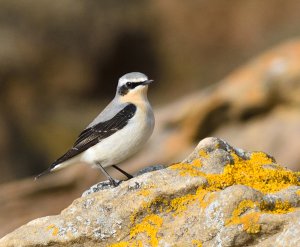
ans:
(122, 171)
(112, 181)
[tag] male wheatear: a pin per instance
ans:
(118, 132)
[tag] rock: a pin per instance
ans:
(100, 186)
(24, 200)
(218, 196)
(254, 107)
(107, 185)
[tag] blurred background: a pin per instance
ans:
(229, 69)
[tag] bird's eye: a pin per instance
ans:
(130, 85)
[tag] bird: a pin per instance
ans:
(117, 133)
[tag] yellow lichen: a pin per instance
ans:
(252, 172)
(189, 169)
(204, 202)
(120, 244)
(250, 220)
(150, 226)
(243, 207)
(54, 229)
(249, 172)
(280, 207)
(146, 190)
(158, 204)
(197, 243)
(203, 153)
(128, 244)
(180, 204)
(298, 192)
(151, 223)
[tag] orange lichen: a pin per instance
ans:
(150, 226)
(250, 172)
(197, 243)
(54, 229)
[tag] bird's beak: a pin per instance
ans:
(147, 82)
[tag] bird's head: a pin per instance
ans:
(133, 86)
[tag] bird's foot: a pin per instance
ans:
(114, 183)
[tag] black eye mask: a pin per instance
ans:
(132, 85)
(123, 90)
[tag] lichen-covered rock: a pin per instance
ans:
(218, 196)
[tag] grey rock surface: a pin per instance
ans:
(219, 196)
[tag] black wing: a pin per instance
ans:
(91, 136)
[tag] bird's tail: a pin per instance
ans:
(46, 172)
(43, 173)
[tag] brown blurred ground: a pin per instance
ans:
(60, 61)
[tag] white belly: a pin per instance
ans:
(122, 144)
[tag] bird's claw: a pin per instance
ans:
(114, 183)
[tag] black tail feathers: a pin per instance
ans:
(46, 172)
